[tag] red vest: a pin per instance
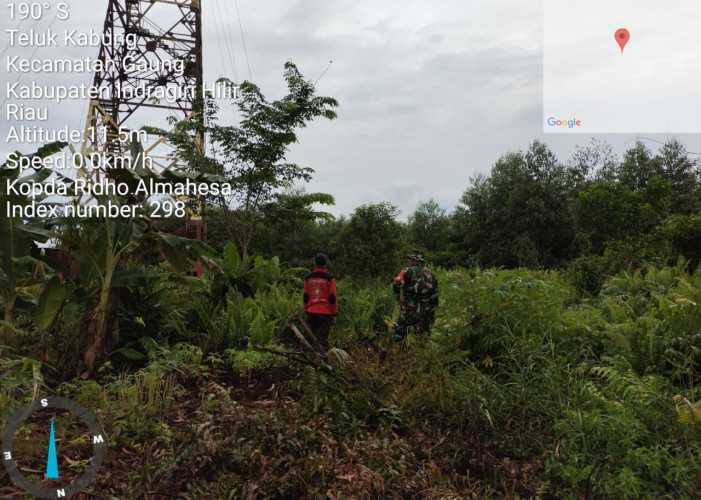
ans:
(320, 293)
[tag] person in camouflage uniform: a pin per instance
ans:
(416, 288)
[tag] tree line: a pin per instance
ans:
(594, 214)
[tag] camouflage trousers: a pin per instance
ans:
(419, 316)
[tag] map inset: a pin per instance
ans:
(622, 67)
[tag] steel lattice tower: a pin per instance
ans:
(144, 32)
(161, 34)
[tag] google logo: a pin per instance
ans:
(555, 122)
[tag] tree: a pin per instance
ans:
(521, 214)
(429, 226)
(290, 227)
(252, 155)
(638, 167)
(635, 196)
(596, 160)
(607, 211)
(681, 172)
(684, 232)
(370, 244)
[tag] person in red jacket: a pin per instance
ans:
(320, 299)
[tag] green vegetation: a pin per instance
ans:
(564, 363)
(525, 389)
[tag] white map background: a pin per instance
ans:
(653, 87)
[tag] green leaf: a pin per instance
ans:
(36, 231)
(176, 257)
(130, 354)
(232, 260)
(50, 303)
(179, 251)
(50, 149)
(133, 277)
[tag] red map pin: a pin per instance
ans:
(622, 37)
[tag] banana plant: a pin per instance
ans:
(110, 254)
(19, 269)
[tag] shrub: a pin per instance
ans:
(588, 274)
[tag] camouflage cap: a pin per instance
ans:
(416, 255)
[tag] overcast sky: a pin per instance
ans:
(430, 93)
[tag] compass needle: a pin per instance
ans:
(52, 460)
